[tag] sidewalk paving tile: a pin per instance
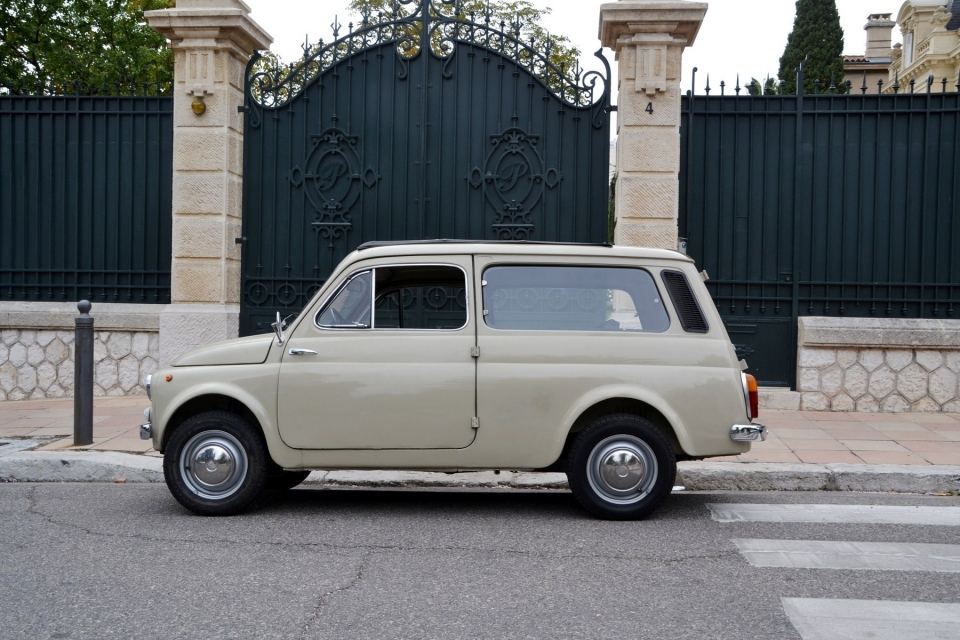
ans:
(67, 443)
(873, 445)
(928, 445)
(902, 436)
(816, 445)
(930, 418)
(828, 457)
(803, 434)
(768, 456)
(51, 431)
(124, 444)
(863, 433)
(890, 457)
(934, 457)
(15, 432)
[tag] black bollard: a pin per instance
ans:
(83, 377)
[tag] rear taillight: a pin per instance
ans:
(751, 394)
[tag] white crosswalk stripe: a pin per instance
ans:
(835, 514)
(836, 619)
(844, 619)
(882, 556)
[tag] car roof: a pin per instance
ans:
(513, 247)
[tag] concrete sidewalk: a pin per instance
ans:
(805, 451)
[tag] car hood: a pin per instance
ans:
(251, 350)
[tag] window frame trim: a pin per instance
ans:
(373, 298)
(654, 280)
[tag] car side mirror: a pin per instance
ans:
(278, 329)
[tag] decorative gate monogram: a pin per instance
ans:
(333, 181)
(514, 183)
(419, 122)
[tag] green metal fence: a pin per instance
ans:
(826, 205)
(85, 198)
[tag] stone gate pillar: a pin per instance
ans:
(212, 41)
(649, 37)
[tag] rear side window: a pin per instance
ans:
(688, 309)
(564, 298)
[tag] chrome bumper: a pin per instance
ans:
(748, 433)
(146, 430)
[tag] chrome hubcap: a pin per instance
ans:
(622, 469)
(213, 465)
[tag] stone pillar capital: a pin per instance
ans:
(621, 22)
(210, 24)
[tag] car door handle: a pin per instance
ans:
(302, 352)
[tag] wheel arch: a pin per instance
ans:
(211, 401)
(627, 401)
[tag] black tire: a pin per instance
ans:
(235, 469)
(621, 467)
(280, 480)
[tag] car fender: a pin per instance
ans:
(629, 392)
(253, 400)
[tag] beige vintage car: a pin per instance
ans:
(607, 363)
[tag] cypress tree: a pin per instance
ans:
(816, 35)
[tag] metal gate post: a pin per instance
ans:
(798, 175)
(83, 376)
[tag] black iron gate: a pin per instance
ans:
(417, 124)
(822, 205)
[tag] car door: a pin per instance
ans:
(386, 362)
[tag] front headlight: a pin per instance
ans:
(147, 385)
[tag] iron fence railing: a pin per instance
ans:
(826, 204)
(86, 184)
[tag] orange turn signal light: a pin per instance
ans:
(753, 391)
(169, 377)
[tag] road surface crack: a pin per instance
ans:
(325, 597)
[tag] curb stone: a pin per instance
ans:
(109, 466)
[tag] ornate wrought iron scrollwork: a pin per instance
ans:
(514, 182)
(444, 25)
(333, 179)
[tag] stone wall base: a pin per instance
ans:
(879, 365)
(35, 365)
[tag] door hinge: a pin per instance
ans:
(475, 352)
(475, 423)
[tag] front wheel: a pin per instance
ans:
(621, 467)
(215, 463)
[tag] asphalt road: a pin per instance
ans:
(124, 561)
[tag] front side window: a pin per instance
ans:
(563, 298)
(350, 307)
(401, 297)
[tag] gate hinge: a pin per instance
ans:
(475, 423)
(475, 352)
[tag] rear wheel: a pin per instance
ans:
(621, 467)
(215, 463)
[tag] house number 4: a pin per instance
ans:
(649, 108)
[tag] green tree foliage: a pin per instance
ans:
(503, 15)
(769, 88)
(817, 36)
(48, 45)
